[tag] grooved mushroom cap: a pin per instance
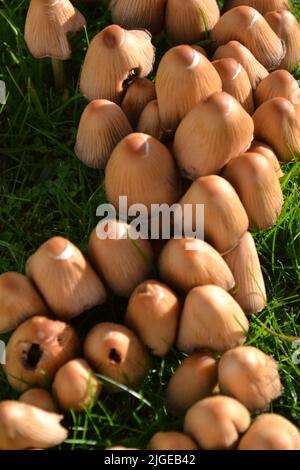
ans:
(171, 441)
(278, 84)
(149, 121)
(65, 278)
(268, 153)
(40, 398)
(250, 376)
(141, 14)
(47, 24)
(138, 95)
(263, 6)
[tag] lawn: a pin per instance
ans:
(46, 191)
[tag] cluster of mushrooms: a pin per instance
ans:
(187, 137)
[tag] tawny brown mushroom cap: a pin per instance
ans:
(250, 376)
(186, 263)
(258, 187)
(268, 153)
(214, 132)
(235, 50)
(263, 6)
(171, 440)
(122, 259)
(153, 314)
(271, 432)
(190, 21)
(283, 130)
(36, 350)
(184, 78)
(47, 24)
(114, 59)
(149, 121)
(117, 353)
(225, 218)
(211, 319)
(216, 423)
(248, 26)
(102, 126)
(40, 398)
(67, 281)
(278, 84)
(24, 427)
(137, 96)
(287, 27)
(141, 14)
(249, 281)
(195, 378)
(18, 301)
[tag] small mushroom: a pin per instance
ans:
(216, 423)
(287, 27)
(170, 440)
(186, 263)
(267, 152)
(102, 126)
(263, 6)
(153, 314)
(250, 376)
(189, 76)
(256, 182)
(24, 427)
(271, 432)
(65, 278)
(278, 84)
(283, 130)
(115, 58)
(225, 218)
(190, 21)
(36, 350)
(249, 281)
(40, 398)
(18, 301)
(137, 96)
(122, 258)
(195, 378)
(236, 82)
(235, 50)
(75, 386)
(211, 319)
(149, 121)
(214, 132)
(144, 170)
(248, 26)
(141, 14)
(117, 353)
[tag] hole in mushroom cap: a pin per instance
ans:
(32, 357)
(115, 356)
(133, 74)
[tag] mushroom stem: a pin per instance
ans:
(59, 74)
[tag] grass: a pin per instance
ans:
(46, 191)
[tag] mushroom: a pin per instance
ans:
(195, 378)
(115, 58)
(40, 398)
(256, 182)
(122, 257)
(117, 353)
(188, 76)
(149, 121)
(137, 96)
(18, 301)
(47, 25)
(142, 169)
(225, 218)
(278, 84)
(214, 132)
(248, 26)
(65, 278)
(263, 6)
(283, 130)
(236, 82)
(36, 350)
(102, 126)
(24, 427)
(190, 21)
(271, 432)
(216, 423)
(75, 386)
(170, 440)
(249, 281)
(250, 376)
(153, 314)
(141, 14)
(186, 263)
(211, 319)
(235, 50)
(267, 152)
(286, 26)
